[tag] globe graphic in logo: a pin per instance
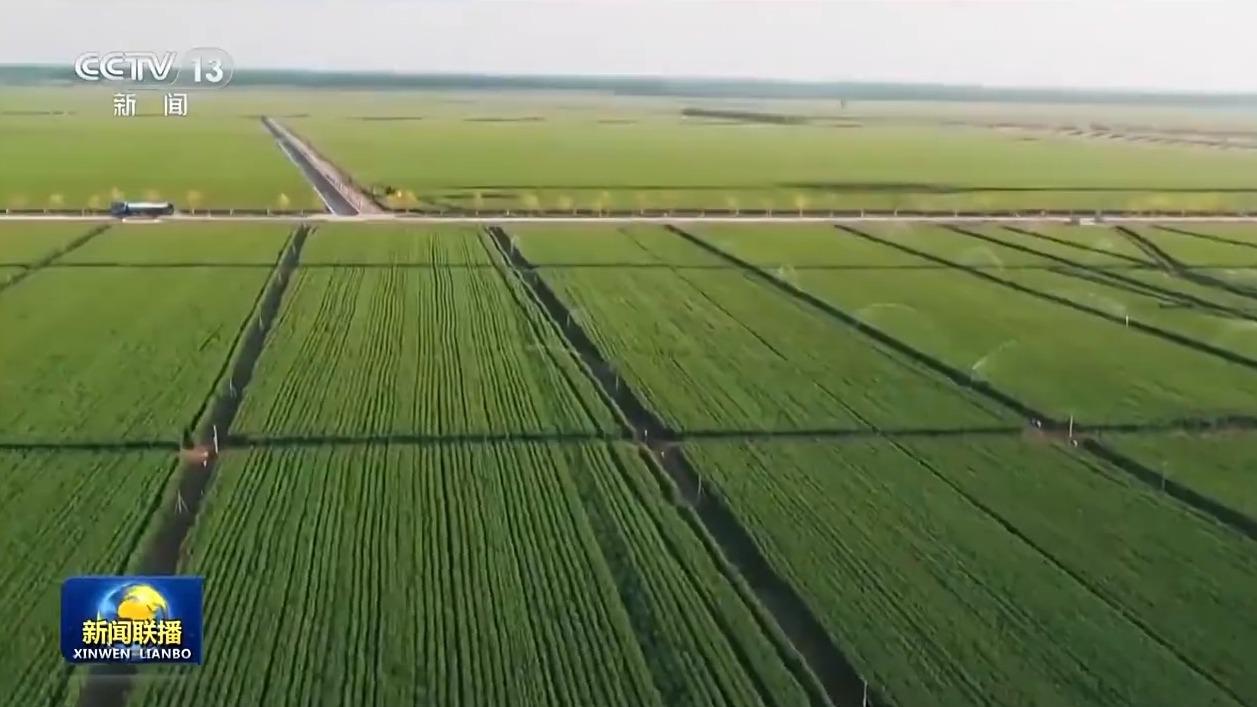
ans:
(133, 602)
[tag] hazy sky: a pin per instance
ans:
(1189, 44)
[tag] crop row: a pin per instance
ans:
(712, 349)
(940, 603)
(63, 514)
(375, 351)
(461, 575)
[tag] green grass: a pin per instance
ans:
(1219, 466)
(711, 349)
(445, 351)
(89, 159)
(482, 575)
(109, 354)
(23, 243)
(184, 244)
(664, 161)
(1042, 353)
(63, 514)
(935, 602)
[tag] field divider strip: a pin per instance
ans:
(1223, 514)
(805, 647)
(51, 258)
(174, 511)
(1105, 274)
(1176, 267)
(1143, 327)
(1200, 426)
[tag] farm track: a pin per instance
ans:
(827, 664)
(51, 259)
(170, 523)
(1175, 267)
(1164, 334)
(1052, 427)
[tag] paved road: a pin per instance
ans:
(780, 219)
(328, 189)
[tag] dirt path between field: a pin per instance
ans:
(827, 666)
(1052, 428)
(173, 518)
(334, 187)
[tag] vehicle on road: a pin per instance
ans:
(141, 208)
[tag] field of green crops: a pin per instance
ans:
(88, 159)
(922, 559)
(119, 353)
(27, 243)
(414, 349)
(464, 575)
(430, 495)
(621, 158)
(1041, 352)
(62, 514)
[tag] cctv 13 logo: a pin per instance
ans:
(131, 619)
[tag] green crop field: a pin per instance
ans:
(124, 353)
(1219, 466)
(88, 159)
(942, 604)
(63, 514)
(624, 159)
(498, 574)
(438, 487)
(1040, 352)
(25, 243)
(161, 244)
(712, 349)
(414, 350)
